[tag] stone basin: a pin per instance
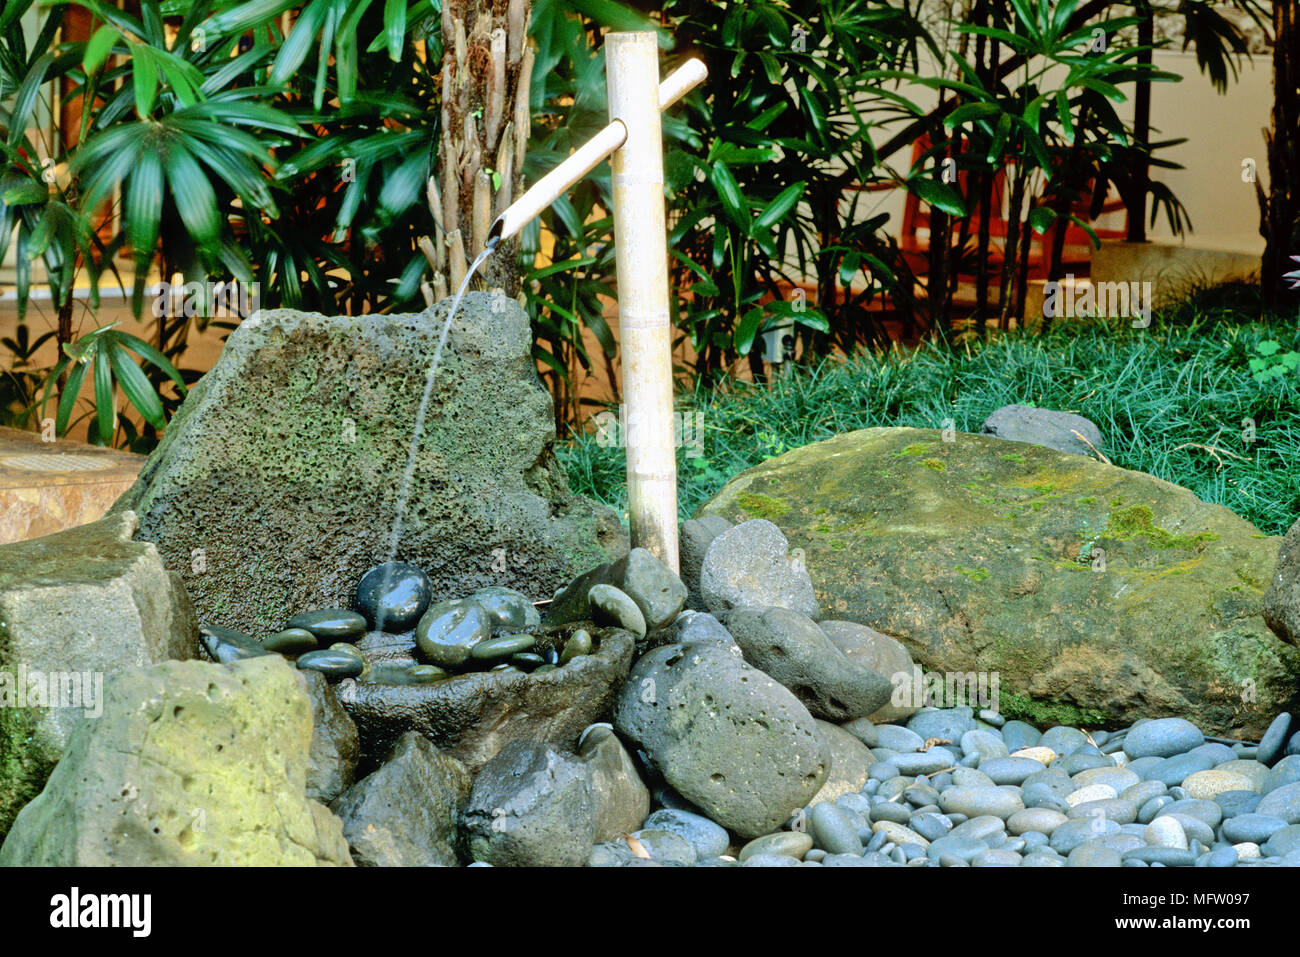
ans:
(473, 715)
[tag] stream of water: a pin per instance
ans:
(404, 490)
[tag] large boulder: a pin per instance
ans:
(278, 482)
(407, 813)
(535, 805)
(724, 735)
(472, 716)
(76, 606)
(191, 763)
(1282, 600)
(1095, 594)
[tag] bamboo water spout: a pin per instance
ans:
(587, 157)
(634, 141)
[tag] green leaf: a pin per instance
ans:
(144, 80)
(143, 205)
(733, 201)
(68, 396)
(98, 48)
(19, 192)
(1063, 114)
(136, 386)
(138, 345)
(747, 329)
(940, 195)
(196, 201)
(395, 27)
(1041, 219)
(104, 398)
(782, 204)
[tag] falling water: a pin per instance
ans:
(404, 490)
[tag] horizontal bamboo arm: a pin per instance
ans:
(584, 159)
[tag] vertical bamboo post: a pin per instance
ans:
(641, 256)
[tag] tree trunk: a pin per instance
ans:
(1280, 208)
(486, 67)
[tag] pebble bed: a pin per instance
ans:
(956, 788)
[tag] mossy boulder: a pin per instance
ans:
(278, 482)
(191, 763)
(75, 607)
(1096, 594)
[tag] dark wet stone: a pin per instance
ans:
(423, 674)
(503, 647)
(446, 636)
(612, 606)
(387, 673)
(530, 806)
(579, 643)
(291, 641)
(332, 663)
(648, 584)
(330, 624)
(227, 644)
(507, 608)
(393, 596)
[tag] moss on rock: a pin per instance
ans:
(282, 472)
(1105, 592)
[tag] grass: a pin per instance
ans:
(1176, 400)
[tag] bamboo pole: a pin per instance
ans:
(641, 253)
